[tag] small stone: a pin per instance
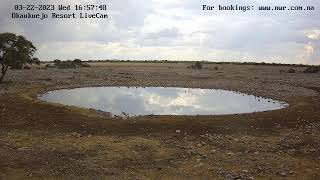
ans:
(283, 174)
(178, 131)
(244, 171)
(213, 151)
(204, 156)
(230, 154)
(199, 165)
(89, 136)
(256, 153)
(23, 149)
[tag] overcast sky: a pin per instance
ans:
(175, 30)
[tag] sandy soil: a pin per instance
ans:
(42, 140)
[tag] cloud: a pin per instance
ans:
(313, 34)
(175, 29)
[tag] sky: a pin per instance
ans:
(174, 30)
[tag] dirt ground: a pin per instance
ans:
(40, 140)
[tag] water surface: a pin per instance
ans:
(162, 101)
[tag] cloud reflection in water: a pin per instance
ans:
(162, 101)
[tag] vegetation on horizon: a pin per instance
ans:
(196, 65)
(203, 62)
(312, 69)
(77, 63)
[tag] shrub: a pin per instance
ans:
(26, 67)
(17, 66)
(49, 66)
(77, 62)
(198, 65)
(86, 65)
(56, 62)
(291, 71)
(312, 69)
(36, 61)
(66, 65)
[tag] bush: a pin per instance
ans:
(312, 69)
(66, 65)
(26, 67)
(49, 66)
(86, 65)
(56, 62)
(77, 62)
(291, 71)
(198, 65)
(36, 61)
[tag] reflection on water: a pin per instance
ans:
(162, 101)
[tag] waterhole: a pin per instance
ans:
(133, 101)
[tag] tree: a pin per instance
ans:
(14, 51)
(56, 62)
(198, 65)
(36, 61)
(77, 62)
